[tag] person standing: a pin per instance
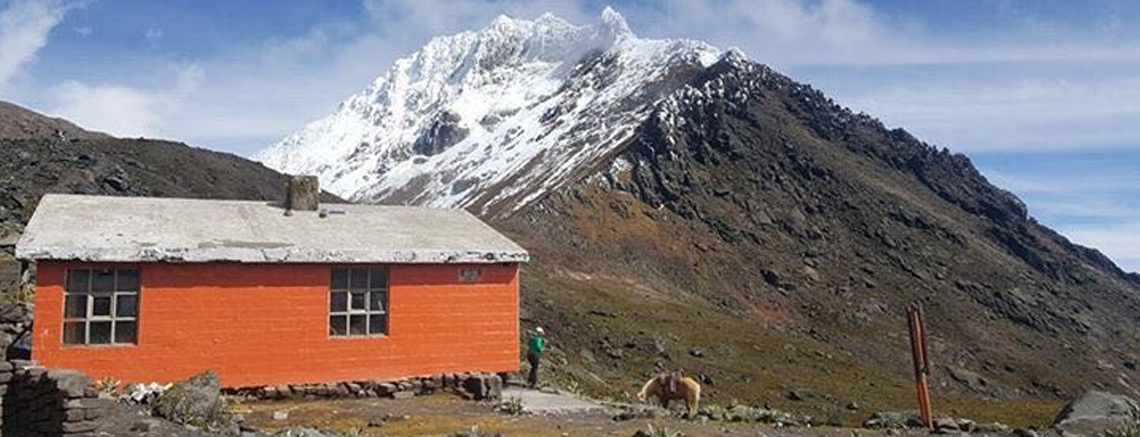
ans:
(535, 345)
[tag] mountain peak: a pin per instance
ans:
(615, 23)
(497, 116)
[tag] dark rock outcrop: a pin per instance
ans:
(443, 133)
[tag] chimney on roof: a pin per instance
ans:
(304, 193)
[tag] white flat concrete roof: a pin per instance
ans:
(141, 229)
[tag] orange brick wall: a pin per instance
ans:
(267, 324)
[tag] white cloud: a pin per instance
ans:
(24, 28)
(125, 111)
(153, 34)
(115, 109)
(1020, 113)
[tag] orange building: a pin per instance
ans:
(146, 289)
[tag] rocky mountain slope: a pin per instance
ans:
(768, 239)
(690, 209)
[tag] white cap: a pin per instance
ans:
(539, 330)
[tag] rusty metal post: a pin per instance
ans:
(921, 363)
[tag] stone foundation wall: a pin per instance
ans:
(41, 401)
(477, 386)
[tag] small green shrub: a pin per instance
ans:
(108, 385)
(512, 405)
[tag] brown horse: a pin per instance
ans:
(673, 386)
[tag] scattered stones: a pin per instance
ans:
(744, 413)
(893, 420)
(697, 352)
(853, 406)
(280, 415)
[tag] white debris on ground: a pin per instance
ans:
(143, 394)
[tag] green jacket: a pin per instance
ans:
(535, 345)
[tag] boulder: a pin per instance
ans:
(1096, 405)
(196, 401)
(1097, 411)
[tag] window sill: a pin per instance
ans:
(99, 346)
(358, 337)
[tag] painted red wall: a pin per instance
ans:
(267, 324)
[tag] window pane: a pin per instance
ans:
(100, 333)
(377, 324)
(74, 333)
(339, 280)
(359, 279)
(126, 305)
(103, 280)
(378, 278)
(338, 302)
(358, 300)
(125, 332)
(338, 325)
(377, 301)
(357, 324)
(75, 306)
(128, 280)
(101, 306)
(77, 280)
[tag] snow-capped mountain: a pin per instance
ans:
(493, 118)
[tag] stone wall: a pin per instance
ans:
(477, 386)
(5, 379)
(40, 401)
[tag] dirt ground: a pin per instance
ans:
(444, 414)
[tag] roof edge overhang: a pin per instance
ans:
(268, 255)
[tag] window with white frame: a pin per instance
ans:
(358, 301)
(101, 306)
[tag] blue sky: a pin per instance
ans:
(1044, 95)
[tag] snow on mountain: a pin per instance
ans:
(493, 118)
